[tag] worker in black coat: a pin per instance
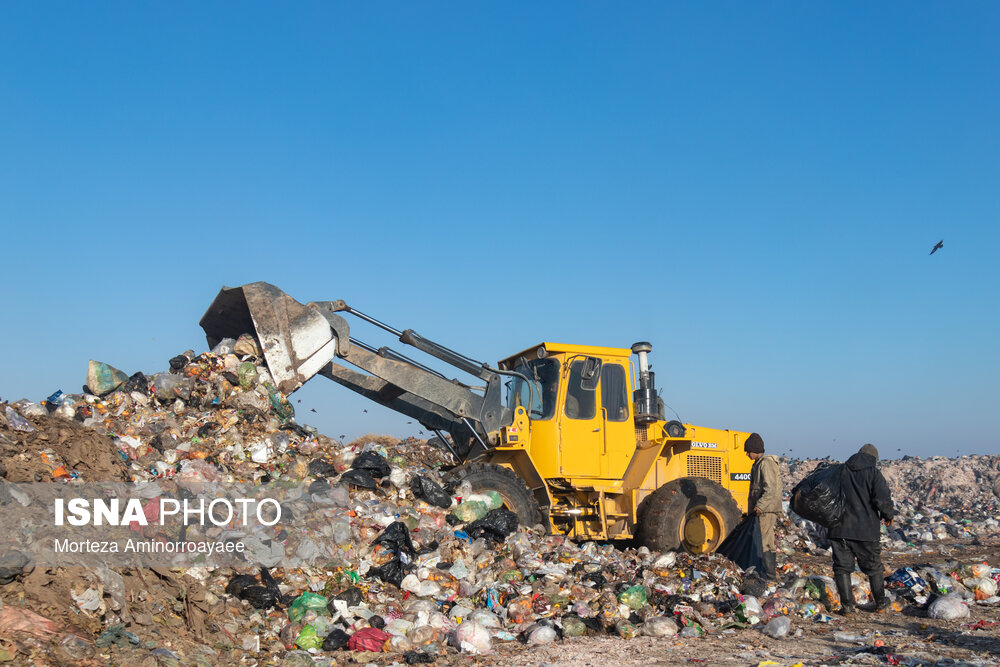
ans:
(866, 501)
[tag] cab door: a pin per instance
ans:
(618, 427)
(581, 420)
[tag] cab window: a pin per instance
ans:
(614, 392)
(543, 374)
(580, 403)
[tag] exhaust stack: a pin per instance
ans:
(644, 398)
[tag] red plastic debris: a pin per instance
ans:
(368, 639)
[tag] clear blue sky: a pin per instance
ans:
(752, 187)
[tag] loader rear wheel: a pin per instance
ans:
(692, 513)
(513, 491)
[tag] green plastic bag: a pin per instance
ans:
(247, 374)
(626, 630)
(495, 500)
(470, 510)
(282, 408)
(308, 639)
(634, 597)
(305, 603)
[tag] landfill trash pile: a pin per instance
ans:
(415, 567)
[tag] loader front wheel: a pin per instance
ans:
(692, 513)
(512, 489)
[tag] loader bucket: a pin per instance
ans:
(296, 339)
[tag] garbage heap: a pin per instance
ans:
(415, 565)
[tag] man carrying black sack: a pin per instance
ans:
(856, 537)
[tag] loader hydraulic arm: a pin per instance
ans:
(300, 341)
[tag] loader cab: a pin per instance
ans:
(578, 400)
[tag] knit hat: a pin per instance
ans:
(754, 444)
(870, 450)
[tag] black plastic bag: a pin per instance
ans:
(137, 382)
(396, 538)
(818, 497)
(495, 526)
(336, 640)
(417, 657)
(245, 587)
(372, 463)
(594, 625)
(269, 581)
(391, 572)
(352, 596)
(358, 478)
(428, 548)
(320, 487)
(430, 492)
(178, 363)
(744, 545)
(260, 597)
(240, 582)
(322, 468)
(753, 584)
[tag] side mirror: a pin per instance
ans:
(590, 375)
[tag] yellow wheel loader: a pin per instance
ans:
(570, 436)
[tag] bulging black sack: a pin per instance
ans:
(744, 545)
(818, 497)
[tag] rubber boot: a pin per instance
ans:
(770, 565)
(879, 600)
(845, 592)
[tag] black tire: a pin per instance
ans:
(512, 489)
(691, 513)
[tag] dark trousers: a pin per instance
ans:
(845, 552)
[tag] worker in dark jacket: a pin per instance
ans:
(866, 501)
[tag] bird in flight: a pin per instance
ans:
(940, 244)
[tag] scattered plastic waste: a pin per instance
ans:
(16, 421)
(948, 608)
(778, 627)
